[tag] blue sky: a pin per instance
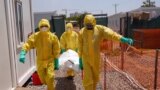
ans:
(93, 6)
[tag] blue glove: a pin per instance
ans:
(127, 40)
(80, 64)
(56, 64)
(62, 51)
(22, 56)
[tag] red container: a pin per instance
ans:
(35, 79)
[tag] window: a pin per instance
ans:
(19, 22)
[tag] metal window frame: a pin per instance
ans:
(19, 22)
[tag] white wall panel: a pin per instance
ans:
(24, 71)
(5, 69)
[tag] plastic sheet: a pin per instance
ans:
(69, 60)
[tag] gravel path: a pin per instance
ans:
(118, 81)
(114, 81)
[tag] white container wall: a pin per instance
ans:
(5, 69)
(16, 24)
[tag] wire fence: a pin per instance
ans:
(140, 65)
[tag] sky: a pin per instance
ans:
(92, 6)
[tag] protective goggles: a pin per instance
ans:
(89, 26)
(68, 28)
(43, 26)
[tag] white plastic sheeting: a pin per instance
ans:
(69, 60)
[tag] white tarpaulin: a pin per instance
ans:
(69, 59)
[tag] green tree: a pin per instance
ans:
(79, 19)
(148, 3)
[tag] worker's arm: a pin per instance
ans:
(26, 47)
(110, 34)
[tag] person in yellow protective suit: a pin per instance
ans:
(69, 40)
(48, 48)
(89, 49)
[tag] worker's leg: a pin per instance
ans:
(41, 72)
(89, 87)
(88, 77)
(96, 73)
(50, 76)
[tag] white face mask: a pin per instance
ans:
(69, 30)
(44, 29)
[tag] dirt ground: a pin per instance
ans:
(114, 81)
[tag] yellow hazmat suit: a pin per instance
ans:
(89, 49)
(47, 48)
(69, 40)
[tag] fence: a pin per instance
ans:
(141, 64)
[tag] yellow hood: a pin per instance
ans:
(44, 22)
(69, 26)
(89, 19)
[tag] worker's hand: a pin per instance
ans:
(76, 49)
(62, 51)
(80, 64)
(56, 64)
(22, 56)
(127, 40)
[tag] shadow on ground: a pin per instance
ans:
(62, 82)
